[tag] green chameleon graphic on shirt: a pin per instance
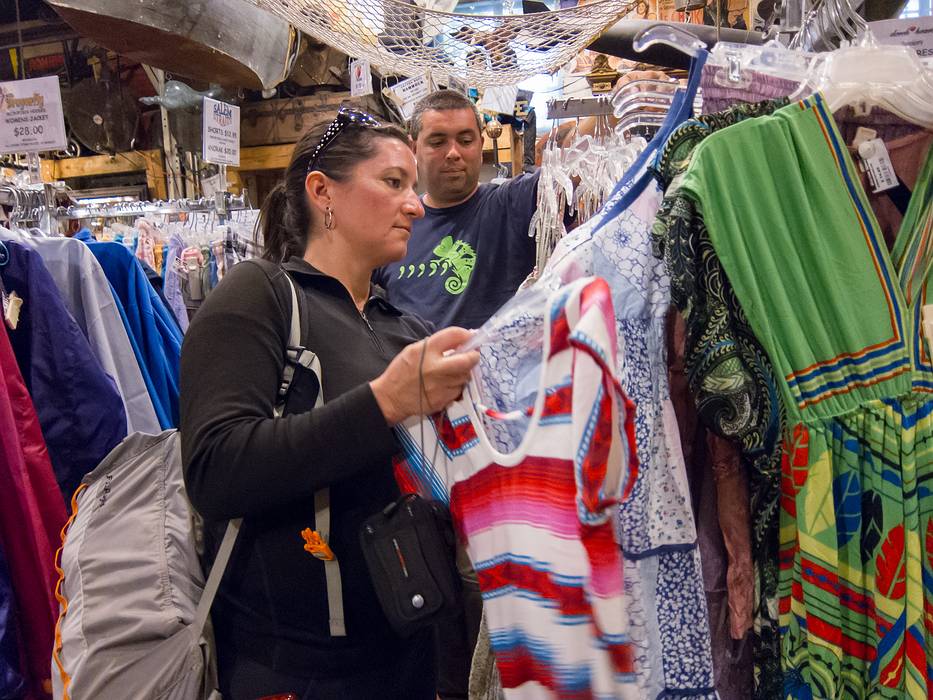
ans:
(453, 258)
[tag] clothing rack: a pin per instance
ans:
(34, 203)
(579, 107)
(221, 204)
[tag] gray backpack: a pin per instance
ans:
(134, 605)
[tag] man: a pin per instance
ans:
(471, 251)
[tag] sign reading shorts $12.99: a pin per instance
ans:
(221, 133)
(31, 117)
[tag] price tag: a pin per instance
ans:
(410, 92)
(12, 303)
(31, 116)
(220, 130)
(361, 78)
(877, 163)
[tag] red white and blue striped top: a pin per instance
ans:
(538, 523)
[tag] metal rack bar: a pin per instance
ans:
(220, 205)
(579, 107)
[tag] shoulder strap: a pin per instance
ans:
(295, 354)
(233, 527)
(292, 347)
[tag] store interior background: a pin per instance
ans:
(116, 142)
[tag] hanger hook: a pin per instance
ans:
(668, 35)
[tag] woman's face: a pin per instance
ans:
(376, 205)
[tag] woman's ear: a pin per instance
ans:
(317, 189)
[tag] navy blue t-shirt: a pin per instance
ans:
(465, 262)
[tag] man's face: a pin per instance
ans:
(450, 153)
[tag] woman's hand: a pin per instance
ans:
(421, 380)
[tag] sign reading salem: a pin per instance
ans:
(31, 117)
(221, 133)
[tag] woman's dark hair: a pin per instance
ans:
(285, 218)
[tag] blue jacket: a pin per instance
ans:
(79, 407)
(11, 677)
(153, 332)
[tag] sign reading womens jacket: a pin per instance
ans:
(221, 133)
(31, 116)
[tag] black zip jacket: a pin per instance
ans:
(242, 462)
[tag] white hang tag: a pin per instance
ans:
(210, 185)
(877, 163)
(12, 303)
(863, 134)
(861, 109)
(408, 93)
(361, 78)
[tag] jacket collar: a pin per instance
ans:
(301, 267)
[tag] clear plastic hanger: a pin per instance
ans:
(771, 58)
(671, 36)
(648, 105)
(829, 25)
(555, 193)
(874, 75)
(629, 124)
(644, 89)
(851, 24)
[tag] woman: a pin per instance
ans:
(345, 208)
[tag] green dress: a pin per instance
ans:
(839, 318)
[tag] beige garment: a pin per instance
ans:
(907, 147)
(485, 683)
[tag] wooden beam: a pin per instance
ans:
(266, 157)
(234, 181)
(518, 153)
(155, 175)
(169, 145)
(99, 165)
(47, 168)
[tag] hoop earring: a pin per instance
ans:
(329, 219)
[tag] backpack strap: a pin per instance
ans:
(299, 355)
(295, 355)
(217, 573)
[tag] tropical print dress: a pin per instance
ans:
(839, 318)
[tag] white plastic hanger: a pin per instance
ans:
(891, 77)
(771, 58)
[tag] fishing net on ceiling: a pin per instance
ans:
(406, 38)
